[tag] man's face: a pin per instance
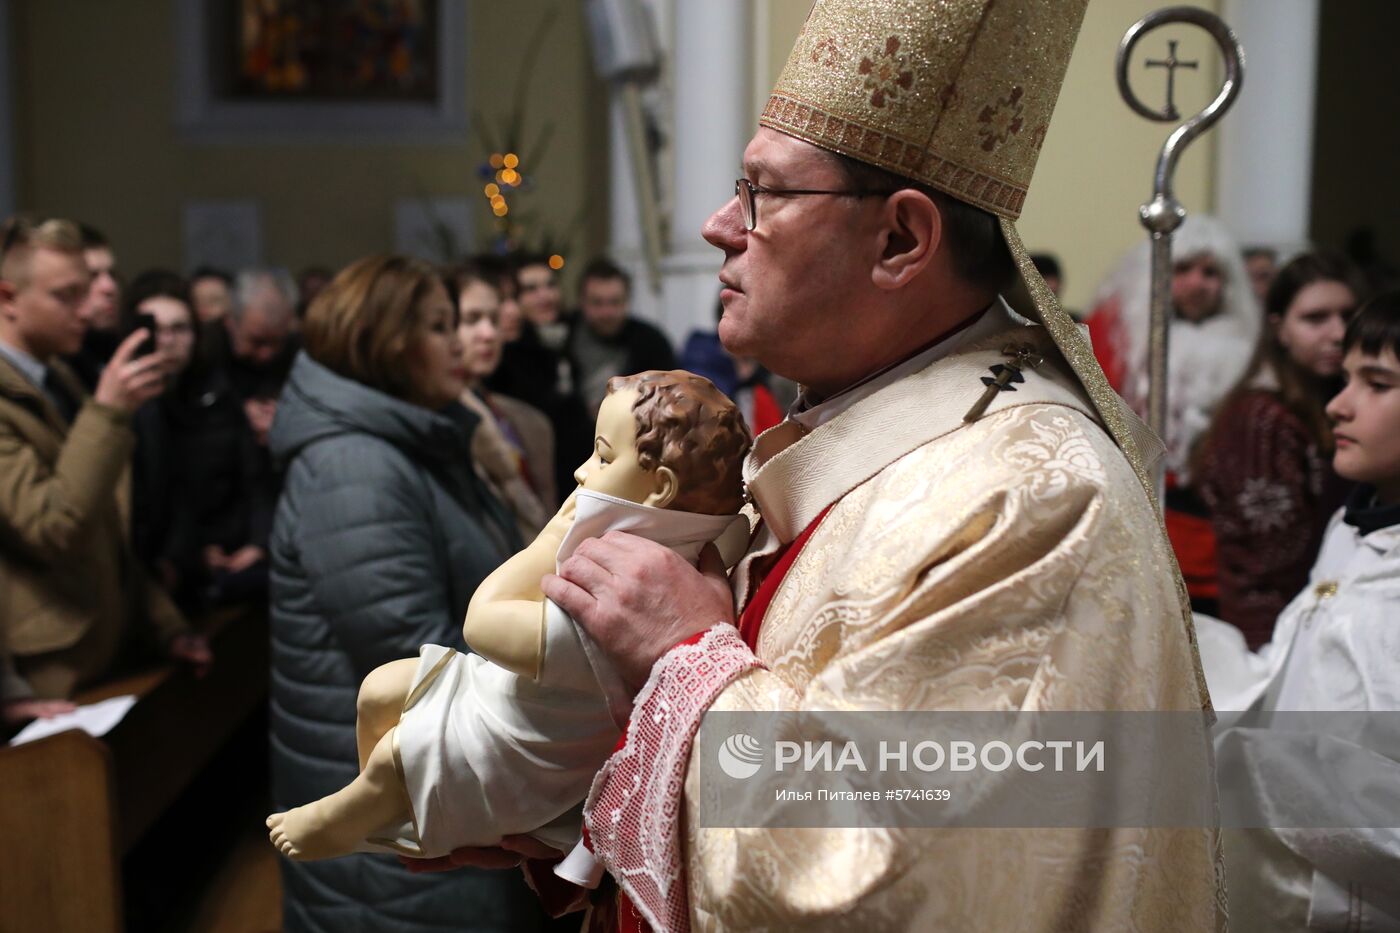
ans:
(604, 305)
(104, 294)
(1198, 283)
(791, 285)
(539, 294)
(1367, 418)
(261, 333)
(211, 298)
(44, 316)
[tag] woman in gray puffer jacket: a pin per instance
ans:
(382, 533)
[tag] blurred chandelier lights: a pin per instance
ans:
(505, 169)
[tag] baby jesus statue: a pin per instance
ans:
(461, 749)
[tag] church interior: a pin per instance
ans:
(293, 138)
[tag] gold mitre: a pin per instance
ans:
(956, 94)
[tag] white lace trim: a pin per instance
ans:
(633, 812)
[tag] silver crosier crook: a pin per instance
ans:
(1164, 213)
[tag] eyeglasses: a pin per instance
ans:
(747, 193)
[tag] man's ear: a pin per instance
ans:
(911, 232)
(665, 487)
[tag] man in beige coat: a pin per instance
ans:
(71, 590)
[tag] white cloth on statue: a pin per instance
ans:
(1334, 650)
(485, 752)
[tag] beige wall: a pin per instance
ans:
(1097, 165)
(97, 139)
(785, 19)
(1098, 161)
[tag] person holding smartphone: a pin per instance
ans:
(73, 597)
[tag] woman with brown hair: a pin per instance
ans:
(514, 446)
(382, 533)
(1264, 468)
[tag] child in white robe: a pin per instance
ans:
(1335, 649)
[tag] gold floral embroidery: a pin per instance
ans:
(888, 75)
(1001, 122)
(827, 52)
(1057, 457)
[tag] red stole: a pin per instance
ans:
(766, 412)
(627, 918)
(752, 618)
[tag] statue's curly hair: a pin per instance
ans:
(686, 424)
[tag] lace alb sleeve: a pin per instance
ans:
(633, 813)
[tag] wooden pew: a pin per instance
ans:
(59, 861)
(71, 806)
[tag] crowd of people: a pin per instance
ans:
(1256, 355)
(355, 451)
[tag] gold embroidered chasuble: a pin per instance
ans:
(1013, 563)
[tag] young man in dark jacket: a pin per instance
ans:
(606, 340)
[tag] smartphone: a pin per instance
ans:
(144, 319)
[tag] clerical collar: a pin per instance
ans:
(812, 415)
(30, 368)
(1366, 515)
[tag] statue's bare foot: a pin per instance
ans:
(337, 824)
(308, 833)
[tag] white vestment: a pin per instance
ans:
(485, 752)
(1336, 648)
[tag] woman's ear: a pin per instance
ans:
(910, 234)
(665, 487)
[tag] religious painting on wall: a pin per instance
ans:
(335, 50)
